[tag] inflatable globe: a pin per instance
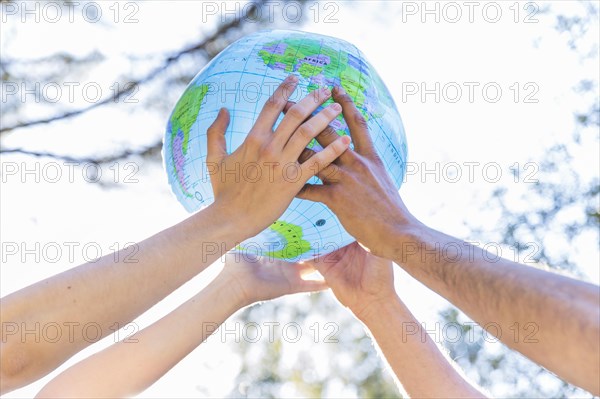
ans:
(241, 78)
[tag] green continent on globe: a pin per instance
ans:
(186, 112)
(323, 65)
(292, 235)
(182, 119)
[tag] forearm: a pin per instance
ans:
(131, 366)
(420, 367)
(115, 289)
(530, 310)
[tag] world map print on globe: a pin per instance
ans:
(241, 78)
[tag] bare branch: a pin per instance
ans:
(142, 152)
(224, 28)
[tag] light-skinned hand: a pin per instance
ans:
(254, 279)
(359, 280)
(256, 183)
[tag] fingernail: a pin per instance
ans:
(341, 90)
(346, 140)
(292, 78)
(326, 91)
(336, 107)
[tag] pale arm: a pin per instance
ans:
(105, 292)
(365, 284)
(128, 368)
(113, 291)
(422, 370)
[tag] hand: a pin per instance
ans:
(255, 278)
(357, 188)
(359, 280)
(256, 183)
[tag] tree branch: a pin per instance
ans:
(142, 152)
(224, 28)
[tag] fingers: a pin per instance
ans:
(331, 174)
(305, 154)
(301, 284)
(328, 136)
(309, 129)
(275, 105)
(316, 264)
(328, 175)
(288, 105)
(314, 193)
(309, 286)
(297, 113)
(322, 159)
(302, 269)
(323, 263)
(355, 121)
(215, 137)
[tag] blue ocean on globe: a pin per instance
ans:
(241, 78)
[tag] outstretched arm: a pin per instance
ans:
(129, 367)
(552, 319)
(365, 284)
(562, 313)
(101, 294)
(114, 291)
(417, 362)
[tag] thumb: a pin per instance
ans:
(215, 137)
(323, 263)
(300, 283)
(311, 286)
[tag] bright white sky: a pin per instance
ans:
(405, 52)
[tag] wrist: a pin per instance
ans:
(232, 290)
(398, 227)
(230, 229)
(424, 247)
(407, 240)
(383, 311)
(372, 309)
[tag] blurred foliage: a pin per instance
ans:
(559, 208)
(333, 355)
